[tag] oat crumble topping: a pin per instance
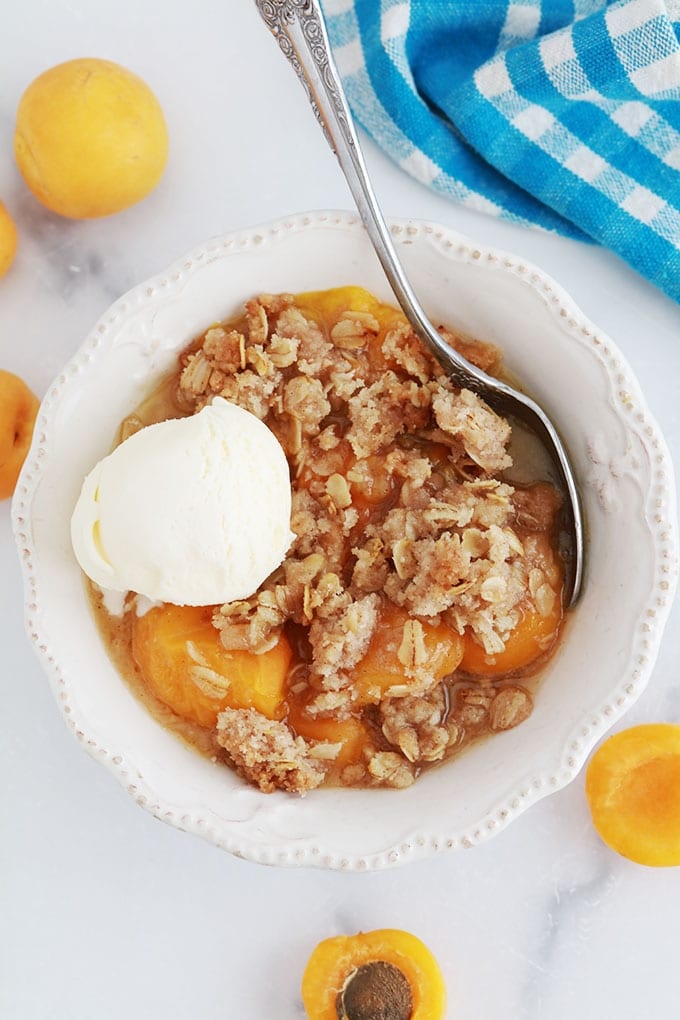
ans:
(398, 506)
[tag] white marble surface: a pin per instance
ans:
(105, 912)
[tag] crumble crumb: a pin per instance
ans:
(483, 434)
(416, 725)
(266, 753)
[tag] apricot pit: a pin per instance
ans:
(376, 989)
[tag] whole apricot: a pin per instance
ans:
(8, 240)
(90, 138)
(633, 790)
(18, 411)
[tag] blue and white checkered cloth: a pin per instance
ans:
(560, 113)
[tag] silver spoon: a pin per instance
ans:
(299, 28)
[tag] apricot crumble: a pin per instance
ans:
(421, 589)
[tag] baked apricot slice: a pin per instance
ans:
(633, 790)
(533, 636)
(385, 662)
(183, 662)
(353, 318)
(18, 411)
(351, 734)
(330, 305)
(377, 974)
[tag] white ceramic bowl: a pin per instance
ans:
(612, 638)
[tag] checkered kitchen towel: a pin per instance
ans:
(560, 113)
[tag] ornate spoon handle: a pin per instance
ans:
(299, 28)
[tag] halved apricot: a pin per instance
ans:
(330, 305)
(350, 733)
(184, 663)
(383, 973)
(381, 667)
(633, 790)
(533, 636)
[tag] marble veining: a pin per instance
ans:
(106, 913)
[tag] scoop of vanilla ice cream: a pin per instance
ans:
(194, 511)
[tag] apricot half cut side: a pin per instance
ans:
(532, 637)
(633, 789)
(351, 734)
(183, 662)
(383, 973)
(382, 667)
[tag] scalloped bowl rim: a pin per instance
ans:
(289, 847)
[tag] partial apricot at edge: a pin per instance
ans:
(18, 412)
(633, 791)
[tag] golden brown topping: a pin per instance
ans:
(338, 489)
(266, 753)
(335, 704)
(256, 318)
(471, 708)
(401, 347)
(283, 350)
(341, 638)
(416, 725)
(389, 769)
(482, 433)
(353, 330)
(313, 348)
(383, 410)
(510, 707)
(251, 391)
(253, 624)
(195, 377)
(225, 349)
(412, 652)
(275, 303)
(304, 399)
(370, 567)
